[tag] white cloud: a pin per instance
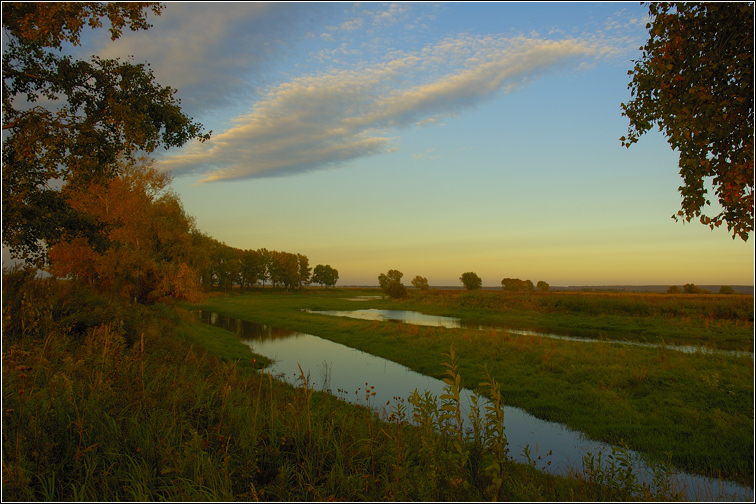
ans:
(318, 121)
(215, 55)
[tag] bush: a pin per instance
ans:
(396, 290)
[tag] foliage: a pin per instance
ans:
(98, 111)
(471, 281)
(420, 283)
(726, 289)
(391, 284)
(305, 271)
(674, 289)
(164, 417)
(517, 285)
(325, 275)
(694, 289)
(694, 80)
(149, 253)
(542, 286)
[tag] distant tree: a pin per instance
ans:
(391, 283)
(284, 269)
(692, 289)
(420, 283)
(250, 268)
(694, 81)
(726, 289)
(396, 290)
(325, 275)
(384, 279)
(471, 281)
(542, 286)
(517, 285)
(673, 290)
(265, 264)
(304, 270)
(70, 121)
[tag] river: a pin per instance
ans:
(372, 381)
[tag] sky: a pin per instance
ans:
(432, 138)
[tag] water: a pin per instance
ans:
(417, 318)
(365, 379)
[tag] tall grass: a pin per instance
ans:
(137, 409)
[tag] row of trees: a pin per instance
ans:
(391, 283)
(694, 289)
(150, 248)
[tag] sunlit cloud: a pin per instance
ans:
(319, 121)
(214, 56)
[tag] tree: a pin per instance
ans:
(304, 270)
(516, 285)
(726, 289)
(95, 111)
(250, 268)
(694, 81)
(471, 281)
(674, 289)
(265, 265)
(542, 286)
(149, 252)
(391, 283)
(692, 289)
(385, 279)
(325, 275)
(420, 283)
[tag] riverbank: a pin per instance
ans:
(696, 408)
(106, 401)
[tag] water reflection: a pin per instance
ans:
(365, 379)
(417, 318)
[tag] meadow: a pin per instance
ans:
(693, 409)
(109, 401)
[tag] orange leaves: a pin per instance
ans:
(149, 233)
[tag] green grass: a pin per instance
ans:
(108, 402)
(696, 407)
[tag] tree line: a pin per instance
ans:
(391, 283)
(151, 249)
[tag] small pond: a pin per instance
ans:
(417, 318)
(348, 373)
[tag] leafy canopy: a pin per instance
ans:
(694, 81)
(471, 281)
(69, 121)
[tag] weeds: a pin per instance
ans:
(126, 407)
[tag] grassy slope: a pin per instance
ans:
(698, 408)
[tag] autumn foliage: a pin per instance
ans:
(149, 253)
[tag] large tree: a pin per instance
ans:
(325, 275)
(471, 281)
(694, 81)
(150, 253)
(68, 121)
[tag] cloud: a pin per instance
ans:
(215, 55)
(319, 121)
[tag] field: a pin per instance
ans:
(696, 408)
(108, 401)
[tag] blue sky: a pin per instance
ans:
(432, 138)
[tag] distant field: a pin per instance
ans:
(740, 289)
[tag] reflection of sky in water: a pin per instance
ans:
(345, 371)
(417, 318)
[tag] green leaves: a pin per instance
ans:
(96, 111)
(694, 81)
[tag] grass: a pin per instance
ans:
(696, 407)
(107, 402)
